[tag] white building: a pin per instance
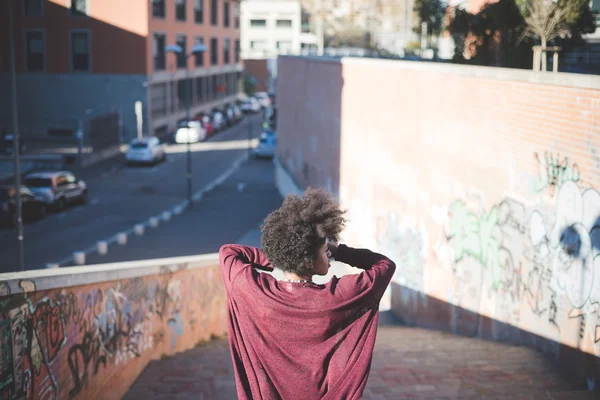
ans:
(269, 28)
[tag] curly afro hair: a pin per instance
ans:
(292, 234)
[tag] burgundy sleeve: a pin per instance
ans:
(374, 280)
(235, 258)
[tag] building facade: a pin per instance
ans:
(270, 28)
(78, 58)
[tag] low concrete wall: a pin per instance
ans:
(87, 332)
(482, 184)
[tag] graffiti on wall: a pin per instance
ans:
(405, 245)
(554, 170)
(533, 256)
(53, 343)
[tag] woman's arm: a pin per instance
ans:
(235, 258)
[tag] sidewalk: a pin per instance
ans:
(408, 363)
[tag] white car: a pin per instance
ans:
(218, 120)
(145, 150)
(263, 98)
(190, 132)
(250, 105)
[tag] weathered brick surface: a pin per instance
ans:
(91, 341)
(481, 183)
(408, 363)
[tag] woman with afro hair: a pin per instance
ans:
(292, 338)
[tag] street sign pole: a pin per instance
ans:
(15, 117)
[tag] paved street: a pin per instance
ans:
(408, 363)
(224, 215)
(122, 197)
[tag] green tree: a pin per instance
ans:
(432, 13)
(493, 35)
(548, 19)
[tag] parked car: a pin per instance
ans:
(33, 206)
(218, 120)
(250, 105)
(229, 115)
(263, 98)
(239, 115)
(206, 123)
(190, 132)
(266, 145)
(145, 151)
(57, 189)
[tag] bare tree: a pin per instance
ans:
(545, 20)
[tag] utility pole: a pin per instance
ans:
(15, 117)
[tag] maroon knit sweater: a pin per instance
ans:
(302, 340)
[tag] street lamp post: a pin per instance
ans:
(15, 118)
(178, 50)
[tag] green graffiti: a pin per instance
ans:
(474, 236)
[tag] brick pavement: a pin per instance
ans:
(408, 363)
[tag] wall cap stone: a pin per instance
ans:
(53, 278)
(503, 74)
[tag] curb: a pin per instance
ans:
(152, 222)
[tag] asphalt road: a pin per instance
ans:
(231, 213)
(122, 197)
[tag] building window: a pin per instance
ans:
(258, 23)
(160, 41)
(34, 51)
(80, 7)
(237, 51)
(236, 14)
(214, 4)
(158, 8)
(258, 44)
(158, 98)
(200, 90)
(181, 94)
(215, 86)
(80, 51)
(199, 56)
(226, 51)
(284, 46)
(180, 10)
(199, 11)
(33, 8)
(181, 40)
(210, 90)
(226, 14)
(284, 23)
(214, 51)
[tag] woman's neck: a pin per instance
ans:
(292, 276)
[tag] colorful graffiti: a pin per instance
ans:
(54, 343)
(553, 171)
(531, 255)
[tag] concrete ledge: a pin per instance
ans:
(503, 74)
(53, 278)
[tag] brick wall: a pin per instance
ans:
(259, 70)
(61, 340)
(481, 183)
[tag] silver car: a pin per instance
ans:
(57, 189)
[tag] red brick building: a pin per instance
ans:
(75, 57)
